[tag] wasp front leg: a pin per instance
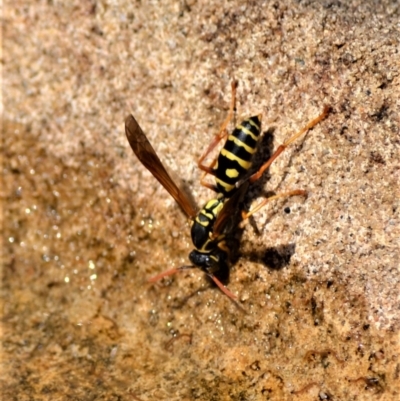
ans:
(283, 147)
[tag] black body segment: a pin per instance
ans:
(203, 224)
(211, 262)
(235, 158)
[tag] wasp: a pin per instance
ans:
(231, 171)
(211, 253)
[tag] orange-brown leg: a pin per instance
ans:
(208, 169)
(246, 215)
(176, 269)
(282, 147)
(223, 133)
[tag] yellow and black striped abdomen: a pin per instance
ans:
(235, 158)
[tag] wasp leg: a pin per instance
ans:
(223, 133)
(222, 287)
(170, 272)
(210, 168)
(246, 215)
(282, 147)
(212, 277)
(158, 277)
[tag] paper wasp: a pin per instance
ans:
(231, 171)
(210, 253)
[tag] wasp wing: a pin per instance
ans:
(148, 157)
(229, 209)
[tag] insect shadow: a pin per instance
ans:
(275, 258)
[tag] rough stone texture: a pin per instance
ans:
(85, 225)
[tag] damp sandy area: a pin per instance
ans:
(85, 225)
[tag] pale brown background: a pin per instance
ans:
(84, 225)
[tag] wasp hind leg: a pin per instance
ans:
(283, 147)
(257, 175)
(222, 134)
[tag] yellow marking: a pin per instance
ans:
(222, 245)
(246, 165)
(211, 204)
(204, 223)
(247, 132)
(232, 172)
(214, 206)
(204, 247)
(228, 187)
(217, 209)
(209, 216)
(254, 124)
(248, 148)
